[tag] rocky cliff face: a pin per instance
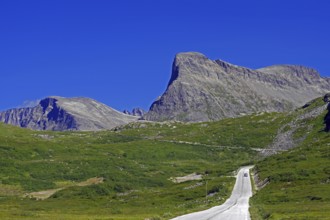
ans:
(326, 99)
(201, 89)
(57, 113)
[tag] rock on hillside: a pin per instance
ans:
(201, 89)
(57, 113)
(326, 99)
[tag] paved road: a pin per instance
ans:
(235, 208)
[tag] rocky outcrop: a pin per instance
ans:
(259, 183)
(135, 112)
(59, 114)
(326, 99)
(201, 89)
(285, 140)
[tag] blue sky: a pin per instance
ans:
(121, 52)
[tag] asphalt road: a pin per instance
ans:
(235, 208)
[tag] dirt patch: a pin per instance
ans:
(41, 195)
(190, 177)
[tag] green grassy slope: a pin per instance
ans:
(136, 162)
(299, 185)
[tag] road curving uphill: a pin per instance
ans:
(235, 208)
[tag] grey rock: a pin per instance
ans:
(59, 114)
(138, 112)
(285, 140)
(135, 112)
(326, 99)
(201, 89)
(127, 112)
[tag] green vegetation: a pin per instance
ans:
(243, 132)
(299, 185)
(136, 162)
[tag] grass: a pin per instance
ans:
(136, 162)
(299, 179)
(243, 132)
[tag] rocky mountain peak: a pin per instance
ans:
(182, 59)
(201, 89)
(58, 113)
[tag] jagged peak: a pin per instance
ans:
(179, 57)
(201, 89)
(199, 56)
(59, 113)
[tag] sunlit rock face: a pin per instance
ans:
(201, 89)
(59, 114)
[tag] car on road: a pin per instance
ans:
(246, 174)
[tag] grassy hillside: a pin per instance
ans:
(299, 185)
(136, 162)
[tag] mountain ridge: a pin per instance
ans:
(201, 89)
(58, 113)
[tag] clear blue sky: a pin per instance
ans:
(120, 52)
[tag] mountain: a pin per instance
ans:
(135, 112)
(201, 89)
(57, 113)
(137, 163)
